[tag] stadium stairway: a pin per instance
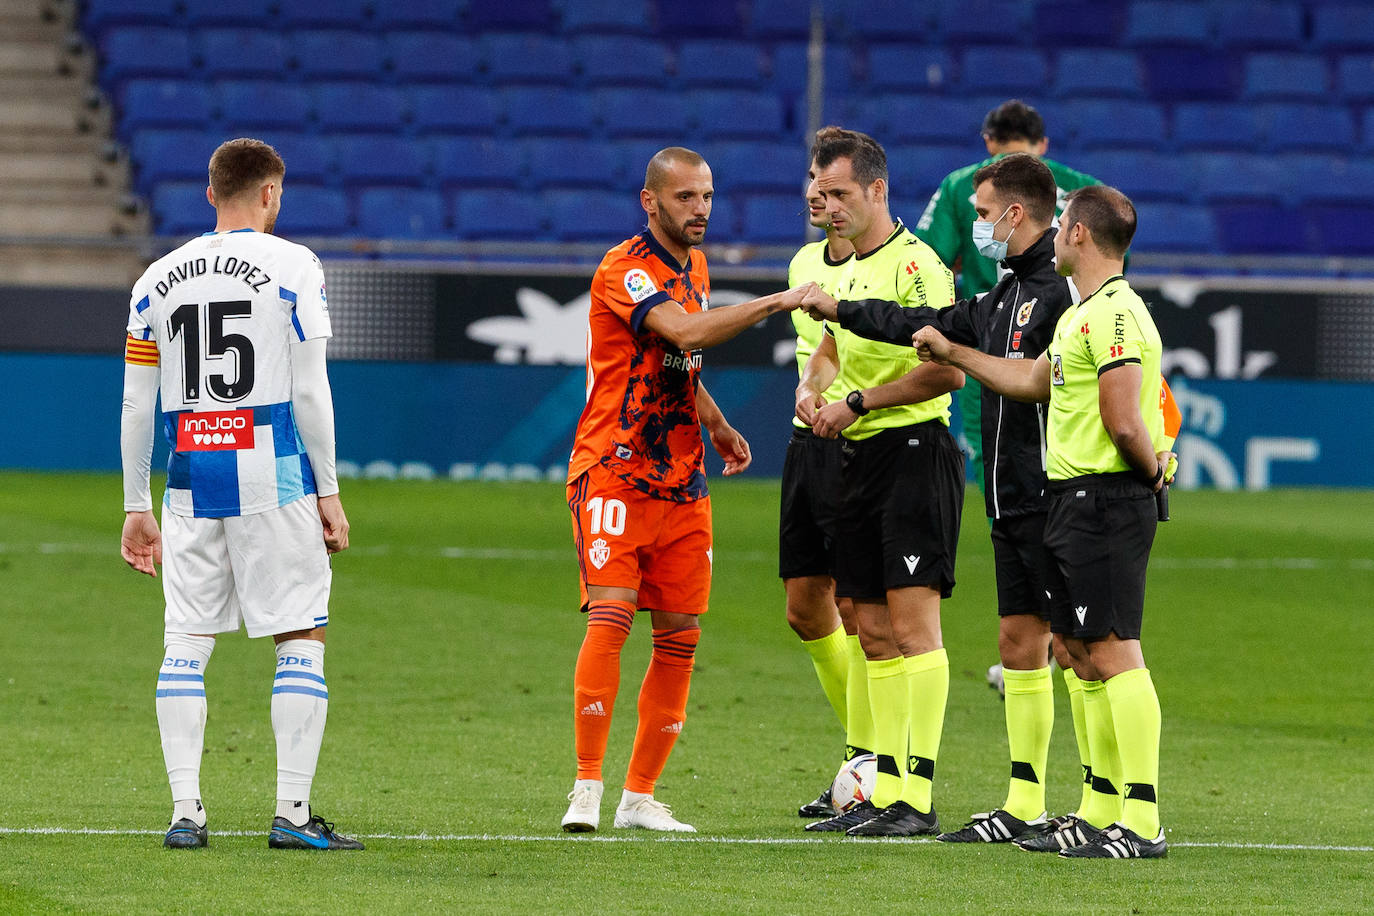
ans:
(56, 179)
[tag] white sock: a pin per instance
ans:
(181, 715)
(296, 812)
(300, 703)
(191, 808)
(628, 798)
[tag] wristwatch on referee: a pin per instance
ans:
(855, 402)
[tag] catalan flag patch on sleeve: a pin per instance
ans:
(140, 352)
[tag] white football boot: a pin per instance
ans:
(584, 810)
(637, 810)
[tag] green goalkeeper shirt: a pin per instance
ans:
(948, 220)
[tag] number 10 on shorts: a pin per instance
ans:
(606, 515)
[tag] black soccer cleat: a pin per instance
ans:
(993, 827)
(186, 834)
(842, 822)
(1119, 842)
(1063, 832)
(316, 834)
(821, 807)
(898, 819)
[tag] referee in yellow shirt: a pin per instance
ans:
(1105, 459)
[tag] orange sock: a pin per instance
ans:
(596, 681)
(662, 705)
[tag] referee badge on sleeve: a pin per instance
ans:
(1057, 369)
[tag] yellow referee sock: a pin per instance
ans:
(927, 677)
(859, 714)
(1080, 734)
(1104, 802)
(1030, 719)
(830, 656)
(1136, 718)
(891, 704)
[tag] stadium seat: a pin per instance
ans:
(1286, 76)
(780, 20)
(400, 213)
(99, 16)
(548, 110)
(904, 68)
(718, 62)
(909, 118)
(526, 57)
(789, 65)
(773, 218)
(1367, 131)
(130, 51)
(961, 22)
(1344, 25)
(163, 155)
(454, 109)
(477, 161)
(1115, 124)
(1174, 227)
(180, 208)
(309, 158)
(354, 105)
(418, 14)
(877, 21)
(1189, 74)
(643, 113)
(1216, 125)
(601, 216)
(703, 18)
(381, 160)
(608, 60)
(738, 113)
(241, 53)
(1017, 71)
(604, 17)
(1236, 177)
(746, 166)
(1308, 127)
(495, 15)
(497, 213)
(1158, 23)
(574, 163)
(917, 169)
(1339, 230)
(1327, 178)
(1141, 175)
(325, 53)
(1088, 72)
(163, 103)
(431, 57)
(342, 14)
(253, 104)
(1249, 24)
(1356, 77)
(200, 13)
(1078, 23)
(1258, 229)
(308, 211)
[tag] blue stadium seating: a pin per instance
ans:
(546, 110)
(327, 53)
(1346, 25)
(1327, 178)
(163, 103)
(1215, 125)
(200, 13)
(169, 155)
(1309, 127)
(1286, 76)
(353, 105)
(780, 20)
(1189, 74)
(454, 109)
(99, 16)
(738, 113)
(309, 158)
(477, 161)
(1368, 130)
(180, 208)
(607, 60)
(1339, 230)
(489, 15)
(982, 21)
(526, 58)
(1141, 175)
(933, 118)
(907, 69)
(497, 213)
(417, 14)
(241, 52)
(773, 218)
(574, 163)
(1001, 69)
(1258, 229)
(643, 113)
(400, 213)
(351, 14)
(144, 51)
(1168, 23)
(744, 166)
(1089, 72)
(790, 61)
(1356, 77)
(381, 160)
(705, 18)
(1115, 125)
(1174, 227)
(308, 211)
(607, 216)
(255, 104)
(916, 170)
(1075, 23)
(718, 62)
(870, 21)
(423, 57)
(1239, 177)
(601, 17)
(1259, 24)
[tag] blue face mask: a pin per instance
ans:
(983, 240)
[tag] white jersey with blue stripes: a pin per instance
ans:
(224, 311)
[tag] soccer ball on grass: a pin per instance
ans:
(854, 782)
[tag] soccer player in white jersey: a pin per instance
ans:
(230, 329)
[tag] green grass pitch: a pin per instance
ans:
(451, 649)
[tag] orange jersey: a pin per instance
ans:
(640, 420)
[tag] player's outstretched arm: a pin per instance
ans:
(141, 542)
(1017, 379)
(692, 331)
(726, 440)
(894, 323)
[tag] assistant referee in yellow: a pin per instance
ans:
(1105, 459)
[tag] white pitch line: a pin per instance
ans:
(640, 838)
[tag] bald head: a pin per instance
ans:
(664, 160)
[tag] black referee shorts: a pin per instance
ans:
(810, 506)
(1097, 540)
(1018, 552)
(899, 521)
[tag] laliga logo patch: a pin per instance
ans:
(639, 286)
(599, 553)
(1024, 313)
(215, 431)
(1057, 370)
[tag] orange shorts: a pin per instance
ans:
(627, 539)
